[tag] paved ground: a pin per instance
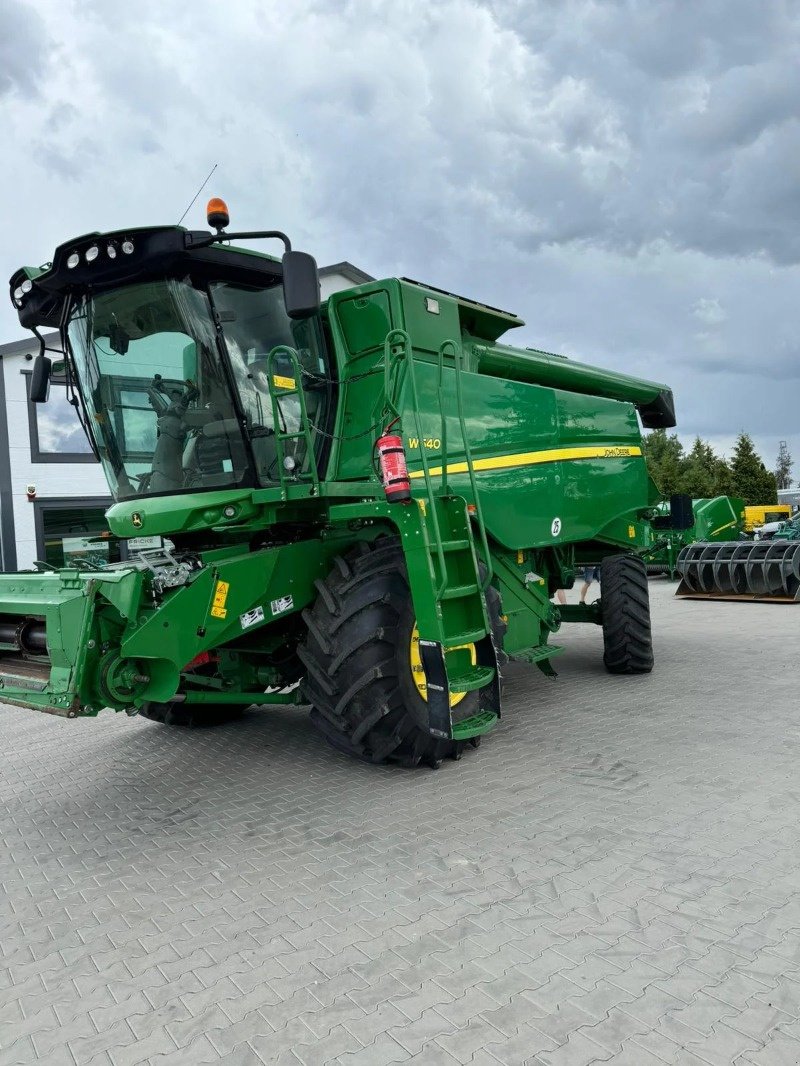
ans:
(614, 876)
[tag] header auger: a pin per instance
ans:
(245, 426)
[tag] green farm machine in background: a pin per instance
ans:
(766, 569)
(371, 497)
(719, 518)
(719, 555)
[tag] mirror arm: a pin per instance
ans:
(42, 346)
(263, 234)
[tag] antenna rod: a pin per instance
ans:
(186, 212)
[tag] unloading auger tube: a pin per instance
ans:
(762, 570)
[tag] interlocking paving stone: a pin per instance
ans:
(577, 1050)
(337, 1042)
(382, 1049)
(414, 1035)
(524, 1045)
(613, 877)
(631, 1055)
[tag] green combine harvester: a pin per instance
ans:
(363, 505)
(717, 518)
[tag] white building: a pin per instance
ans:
(790, 496)
(340, 276)
(52, 490)
(53, 494)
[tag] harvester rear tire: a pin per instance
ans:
(357, 657)
(190, 716)
(625, 599)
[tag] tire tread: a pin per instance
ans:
(352, 639)
(627, 637)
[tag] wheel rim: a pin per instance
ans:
(418, 671)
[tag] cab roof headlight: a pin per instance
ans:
(127, 247)
(111, 250)
(92, 253)
(18, 293)
(73, 261)
(27, 285)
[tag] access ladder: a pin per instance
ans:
(456, 641)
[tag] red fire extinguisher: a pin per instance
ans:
(394, 472)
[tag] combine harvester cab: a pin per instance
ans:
(363, 505)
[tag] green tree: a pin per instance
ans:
(664, 455)
(783, 467)
(750, 479)
(723, 482)
(703, 473)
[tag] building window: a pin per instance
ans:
(74, 533)
(55, 432)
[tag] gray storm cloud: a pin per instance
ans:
(623, 175)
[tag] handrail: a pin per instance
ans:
(394, 338)
(443, 448)
(280, 436)
(451, 347)
(391, 389)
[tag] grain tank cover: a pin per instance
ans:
(482, 322)
(479, 320)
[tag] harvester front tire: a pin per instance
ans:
(625, 599)
(357, 657)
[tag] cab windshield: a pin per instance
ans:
(159, 399)
(272, 358)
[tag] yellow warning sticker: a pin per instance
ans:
(631, 532)
(282, 383)
(220, 598)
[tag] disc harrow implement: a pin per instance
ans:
(763, 571)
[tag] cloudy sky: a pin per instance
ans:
(623, 175)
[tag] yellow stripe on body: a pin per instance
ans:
(548, 455)
(727, 525)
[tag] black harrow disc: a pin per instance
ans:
(743, 569)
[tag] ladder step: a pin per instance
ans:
(455, 545)
(458, 640)
(455, 592)
(474, 726)
(471, 679)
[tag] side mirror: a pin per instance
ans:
(300, 284)
(40, 379)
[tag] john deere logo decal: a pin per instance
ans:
(136, 520)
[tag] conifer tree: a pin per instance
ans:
(750, 479)
(783, 467)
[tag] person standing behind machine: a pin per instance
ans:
(590, 574)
